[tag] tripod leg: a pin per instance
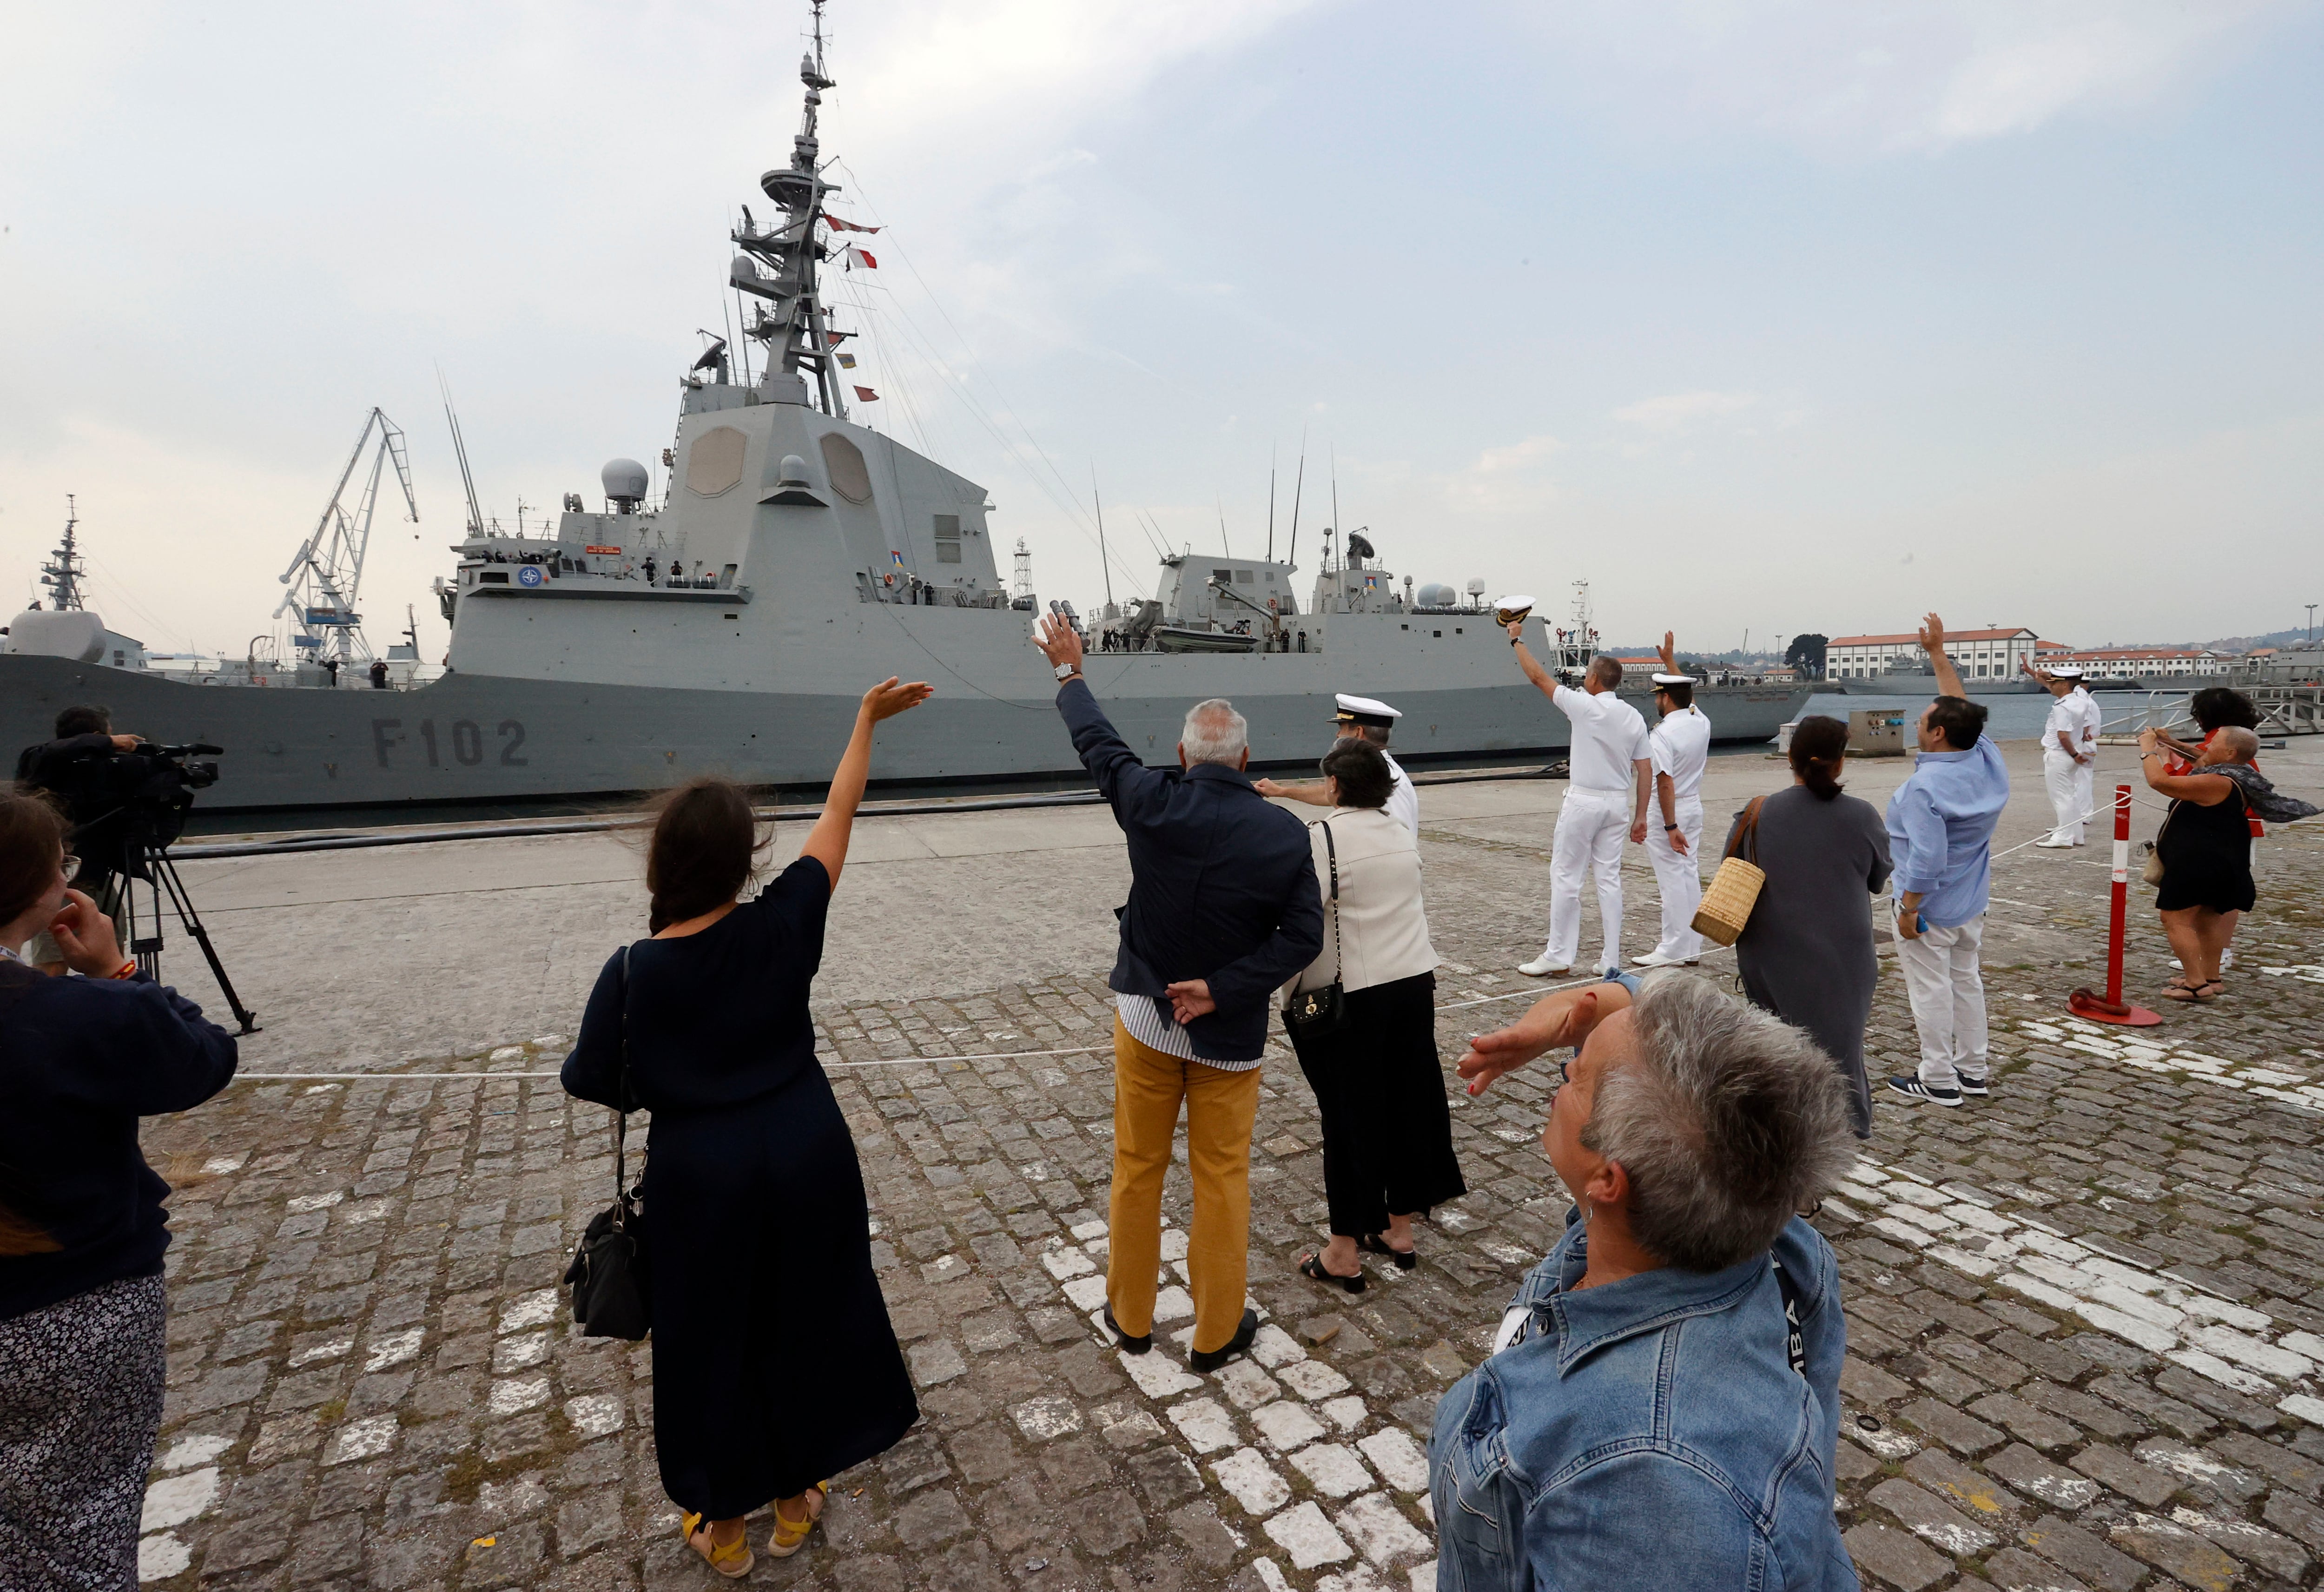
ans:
(165, 876)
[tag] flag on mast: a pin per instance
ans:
(836, 225)
(865, 395)
(856, 257)
(846, 361)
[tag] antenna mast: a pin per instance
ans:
(1298, 486)
(326, 571)
(792, 320)
(1270, 505)
(459, 452)
(1104, 569)
(63, 572)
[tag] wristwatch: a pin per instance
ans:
(1067, 671)
(1668, 827)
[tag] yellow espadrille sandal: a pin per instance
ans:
(733, 1562)
(790, 1535)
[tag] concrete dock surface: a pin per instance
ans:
(2085, 1316)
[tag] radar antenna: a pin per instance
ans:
(327, 572)
(65, 569)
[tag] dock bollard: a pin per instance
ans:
(2110, 1008)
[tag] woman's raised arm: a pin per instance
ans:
(826, 842)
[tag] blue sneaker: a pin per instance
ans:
(1913, 1089)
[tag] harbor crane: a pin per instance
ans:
(326, 573)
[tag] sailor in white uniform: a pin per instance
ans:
(1680, 747)
(2069, 743)
(1606, 798)
(1356, 718)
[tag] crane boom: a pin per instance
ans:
(326, 573)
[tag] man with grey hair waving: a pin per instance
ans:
(1676, 1360)
(1224, 909)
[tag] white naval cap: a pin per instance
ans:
(1363, 710)
(2067, 671)
(1507, 610)
(1662, 679)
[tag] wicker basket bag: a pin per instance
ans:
(1734, 887)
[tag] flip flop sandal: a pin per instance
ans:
(2181, 992)
(1405, 1259)
(790, 1535)
(733, 1560)
(2209, 991)
(1311, 1265)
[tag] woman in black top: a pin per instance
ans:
(82, 1232)
(2205, 846)
(774, 1364)
(1806, 952)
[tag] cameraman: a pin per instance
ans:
(82, 1230)
(65, 767)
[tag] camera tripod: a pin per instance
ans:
(152, 865)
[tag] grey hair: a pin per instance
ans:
(2238, 740)
(1607, 670)
(1214, 733)
(1375, 733)
(1728, 1121)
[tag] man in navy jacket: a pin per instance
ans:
(1224, 909)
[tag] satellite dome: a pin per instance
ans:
(794, 471)
(1437, 594)
(625, 482)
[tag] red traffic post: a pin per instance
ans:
(2109, 1008)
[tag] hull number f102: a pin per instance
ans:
(464, 745)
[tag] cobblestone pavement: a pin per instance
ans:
(2085, 1317)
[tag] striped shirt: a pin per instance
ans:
(1149, 1022)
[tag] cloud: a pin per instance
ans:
(1854, 78)
(1518, 455)
(1676, 411)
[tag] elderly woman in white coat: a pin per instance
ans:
(1379, 1087)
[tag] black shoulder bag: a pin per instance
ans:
(610, 1277)
(1314, 1013)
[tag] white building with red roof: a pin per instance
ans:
(1978, 654)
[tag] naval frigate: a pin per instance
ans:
(796, 557)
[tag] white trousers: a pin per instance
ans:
(1948, 995)
(1591, 825)
(2085, 784)
(2068, 785)
(1680, 877)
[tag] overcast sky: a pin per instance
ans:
(1796, 314)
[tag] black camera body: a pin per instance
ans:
(123, 805)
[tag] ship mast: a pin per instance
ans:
(63, 572)
(792, 320)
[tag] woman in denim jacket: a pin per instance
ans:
(1662, 1398)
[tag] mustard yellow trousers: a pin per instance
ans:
(1148, 1087)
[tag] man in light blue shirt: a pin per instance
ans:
(1940, 823)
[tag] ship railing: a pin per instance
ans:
(2159, 710)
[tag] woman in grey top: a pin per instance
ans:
(1806, 953)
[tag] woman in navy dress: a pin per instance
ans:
(774, 1364)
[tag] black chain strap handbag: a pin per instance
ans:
(1313, 1014)
(610, 1276)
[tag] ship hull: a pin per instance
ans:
(477, 738)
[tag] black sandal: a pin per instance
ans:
(1405, 1259)
(1311, 1265)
